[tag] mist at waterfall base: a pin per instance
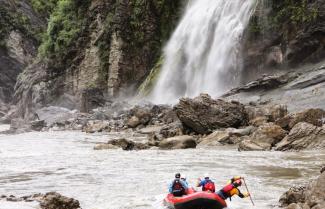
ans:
(204, 53)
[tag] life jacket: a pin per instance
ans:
(209, 186)
(226, 190)
(178, 189)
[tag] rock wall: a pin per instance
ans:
(282, 35)
(19, 26)
(112, 51)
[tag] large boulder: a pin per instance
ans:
(53, 200)
(203, 114)
(264, 138)
(267, 113)
(249, 145)
(228, 136)
(312, 116)
(303, 136)
(178, 142)
(214, 139)
(310, 197)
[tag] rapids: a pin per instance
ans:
(66, 162)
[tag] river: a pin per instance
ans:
(66, 162)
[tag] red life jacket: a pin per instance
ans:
(226, 190)
(209, 186)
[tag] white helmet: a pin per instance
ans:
(183, 177)
(206, 176)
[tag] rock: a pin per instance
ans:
(203, 114)
(263, 83)
(178, 142)
(37, 125)
(312, 196)
(303, 136)
(133, 122)
(143, 114)
(91, 98)
(105, 146)
(294, 195)
(127, 145)
(265, 137)
(96, 126)
(249, 145)
(150, 130)
(172, 129)
(53, 114)
(214, 139)
(53, 200)
(312, 116)
(241, 132)
(257, 115)
(258, 121)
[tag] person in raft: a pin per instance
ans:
(207, 184)
(178, 187)
(231, 189)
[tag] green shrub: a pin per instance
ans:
(296, 12)
(13, 20)
(64, 27)
(44, 7)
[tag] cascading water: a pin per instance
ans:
(203, 55)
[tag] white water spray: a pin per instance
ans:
(203, 55)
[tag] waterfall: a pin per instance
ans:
(204, 53)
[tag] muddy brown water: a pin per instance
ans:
(113, 179)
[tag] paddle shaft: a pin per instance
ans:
(248, 192)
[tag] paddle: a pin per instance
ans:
(250, 196)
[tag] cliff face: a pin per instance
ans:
(94, 49)
(284, 34)
(19, 29)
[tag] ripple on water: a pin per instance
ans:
(66, 162)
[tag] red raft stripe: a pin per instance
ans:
(206, 195)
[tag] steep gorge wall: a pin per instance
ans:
(94, 49)
(19, 40)
(284, 34)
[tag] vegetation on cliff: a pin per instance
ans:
(65, 24)
(283, 14)
(14, 20)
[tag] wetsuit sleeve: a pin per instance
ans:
(184, 184)
(170, 188)
(241, 195)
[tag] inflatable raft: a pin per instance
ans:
(195, 200)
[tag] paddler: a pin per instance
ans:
(231, 189)
(178, 187)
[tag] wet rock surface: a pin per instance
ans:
(296, 97)
(203, 114)
(310, 197)
(50, 200)
(303, 136)
(125, 144)
(264, 138)
(178, 142)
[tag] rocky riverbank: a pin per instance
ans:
(201, 122)
(311, 196)
(51, 200)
